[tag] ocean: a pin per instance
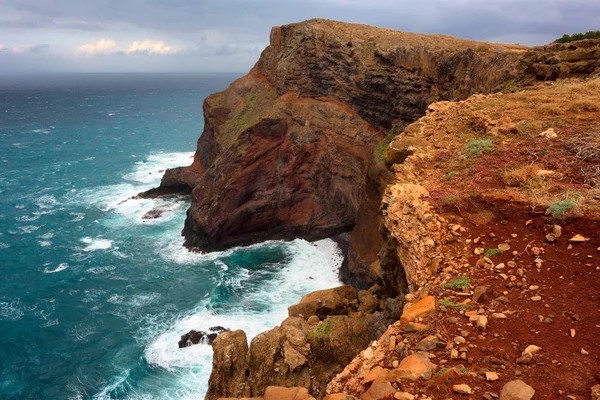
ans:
(94, 299)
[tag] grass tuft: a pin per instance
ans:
(458, 283)
(492, 252)
(450, 304)
(524, 176)
(559, 208)
(477, 147)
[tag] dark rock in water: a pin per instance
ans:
(155, 213)
(195, 337)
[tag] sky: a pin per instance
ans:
(229, 35)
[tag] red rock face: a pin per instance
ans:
(287, 151)
(280, 167)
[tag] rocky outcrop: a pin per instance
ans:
(285, 150)
(298, 148)
(307, 351)
(195, 337)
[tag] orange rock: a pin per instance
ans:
(282, 393)
(413, 367)
(376, 374)
(340, 396)
(421, 309)
(378, 391)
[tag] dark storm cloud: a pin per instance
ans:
(473, 19)
(234, 30)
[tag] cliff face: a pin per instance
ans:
(294, 149)
(285, 150)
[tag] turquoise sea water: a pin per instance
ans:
(93, 299)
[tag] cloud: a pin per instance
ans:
(24, 49)
(102, 46)
(149, 47)
(138, 47)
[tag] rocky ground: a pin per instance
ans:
(494, 213)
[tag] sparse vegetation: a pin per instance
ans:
(559, 208)
(477, 147)
(492, 252)
(526, 176)
(383, 145)
(450, 199)
(578, 36)
(451, 175)
(323, 329)
(458, 283)
(485, 104)
(450, 304)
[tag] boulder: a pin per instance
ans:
(379, 391)
(414, 367)
(336, 301)
(282, 393)
(420, 309)
(517, 390)
(596, 392)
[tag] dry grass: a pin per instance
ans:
(585, 147)
(526, 176)
(591, 175)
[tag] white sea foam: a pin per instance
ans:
(119, 198)
(312, 267)
(100, 270)
(47, 201)
(77, 216)
(96, 244)
(28, 218)
(11, 310)
(4, 245)
(48, 235)
(150, 170)
(45, 243)
(61, 267)
(28, 229)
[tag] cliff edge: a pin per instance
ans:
(285, 149)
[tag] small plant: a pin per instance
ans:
(323, 329)
(451, 175)
(492, 252)
(559, 208)
(458, 283)
(477, 147)
(450, 304)
(542, 153)
(383, 145)
(442, 371)
(463, 370)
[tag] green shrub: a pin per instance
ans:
(383, 145)
(477, 147)
(492, 252)
(558, 208)
(458, 283)
(578, 36)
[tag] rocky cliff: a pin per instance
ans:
(299, 148)
(285, 149)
